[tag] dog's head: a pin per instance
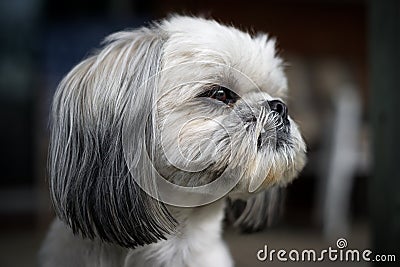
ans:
(182, 113)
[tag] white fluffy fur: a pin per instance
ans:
(195, 52)
(197, 243)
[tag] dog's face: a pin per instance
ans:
(221, 110)
(185, 113)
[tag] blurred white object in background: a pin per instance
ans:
(326, 99)
(343, 161)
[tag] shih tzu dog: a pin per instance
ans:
(151, 135)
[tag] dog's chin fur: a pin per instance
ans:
(144, 96)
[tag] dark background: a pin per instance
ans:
(333, 47)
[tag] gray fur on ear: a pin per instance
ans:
(91, 186)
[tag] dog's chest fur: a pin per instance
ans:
(197, 243)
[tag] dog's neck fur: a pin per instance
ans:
(197, 242)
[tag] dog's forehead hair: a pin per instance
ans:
(204, 50)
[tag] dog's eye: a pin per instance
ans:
(222, 94)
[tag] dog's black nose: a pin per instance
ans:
(279, 107)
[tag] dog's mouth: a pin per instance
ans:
(271, 125)
(276, 136)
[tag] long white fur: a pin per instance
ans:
(113, 90)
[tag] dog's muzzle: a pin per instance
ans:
(283, 130)
(280, 108)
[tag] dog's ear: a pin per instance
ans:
(92, 185)
(258, 211)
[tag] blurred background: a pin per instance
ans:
(344, 82)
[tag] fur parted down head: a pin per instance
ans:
(178, 114)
